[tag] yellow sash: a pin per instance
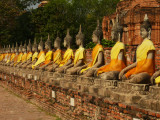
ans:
(80, 55)
(96, 50)
(143, 64)
(19, 57)
(24, 57)
(29, 55)
(116, 49)
(8, 57)
(35, 55)
(48, 57)
(13, 56)
(67, 56)
(57, 57)
(115, 64)
(143, 49)
(41, 59)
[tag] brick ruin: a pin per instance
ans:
(76, 98)
(132, 15)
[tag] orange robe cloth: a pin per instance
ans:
(24, 57)
(57, 57)
(143, 64)
(96, 50)
(115, 64)
(48, 58)
(15, 59)
(66, 57)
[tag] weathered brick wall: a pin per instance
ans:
(133, 12)
(86, 106)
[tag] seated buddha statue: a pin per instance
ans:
(49, 54)
(88, 70)
(16, 51)
(57, 56)
(118, 55)
(28, 56)
(34, 57)
(141, 71)
(19, 59)
(68, 55)
(12, 56)
(8, 55)
(41, 56)
(3, 56)
(24, 56)
(80, 57)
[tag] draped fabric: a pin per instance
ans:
(67, 56)
(115, 64)
(80, 55)
(41, 59)
(96, 50)
(48, 58)
(143, 64)
(57, 56)
(35, 55)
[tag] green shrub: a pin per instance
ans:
(104, 42)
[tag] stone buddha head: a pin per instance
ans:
(12, 49)
(57, 42)
(29, 46)
(48, 44)
(16, 48)
(117, 30)
(20, 47)
(97, 33)
(9, 49)
(24, 48)
(35, 46)
(41, 45)
(6, 49)
(80, 37)
(145, 30)
(67, 39)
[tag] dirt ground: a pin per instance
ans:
(15, 108)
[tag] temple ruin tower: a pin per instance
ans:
(132, 14)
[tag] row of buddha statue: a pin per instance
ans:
(141, 72)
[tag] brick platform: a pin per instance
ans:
(76, 98)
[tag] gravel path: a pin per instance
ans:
(15, 108)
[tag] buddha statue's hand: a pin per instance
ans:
(65, 69)
(95, 73)
(79, 71)
(121, 74)
(154, 76)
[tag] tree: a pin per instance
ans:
(56, 16)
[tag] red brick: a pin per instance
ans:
(122, 105)
(158, 115)
(152, 114)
